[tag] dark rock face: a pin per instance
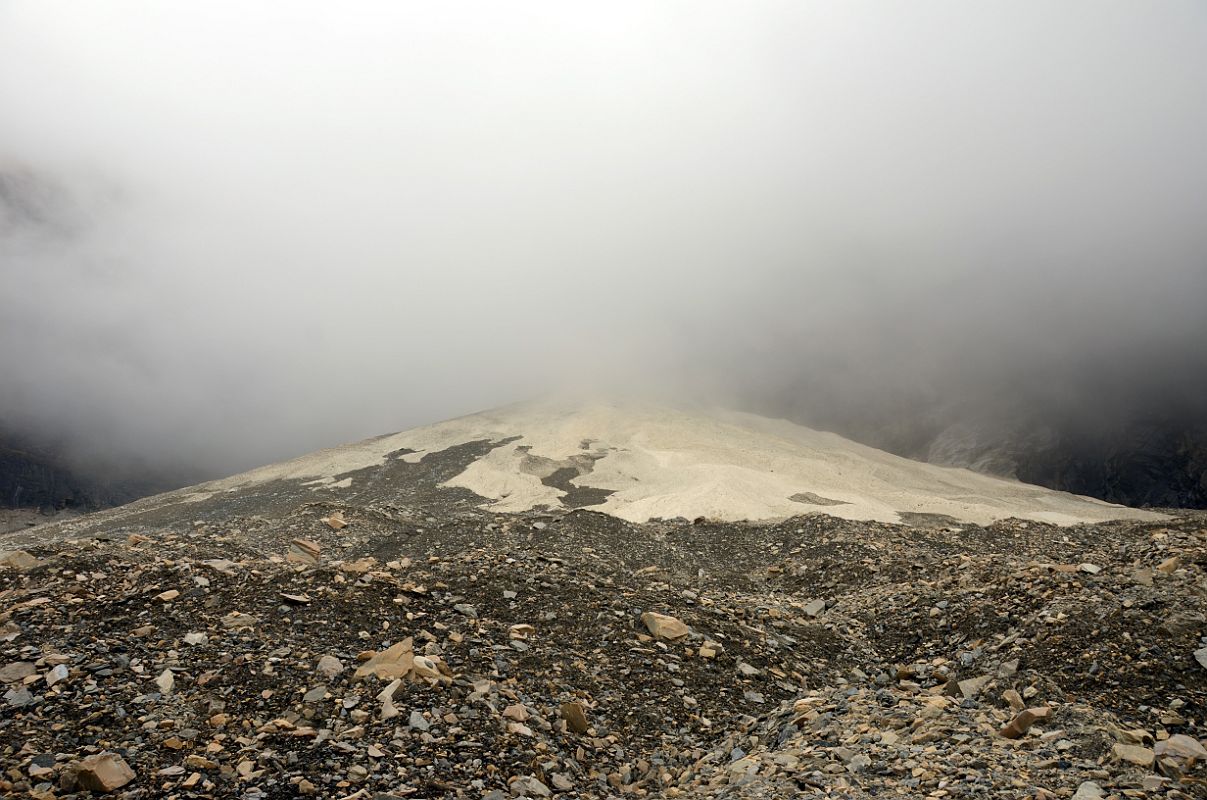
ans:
(33, 476)
(1149, 462)
(1144, 464)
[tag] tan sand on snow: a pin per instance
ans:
(663, 462)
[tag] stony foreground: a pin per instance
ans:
(448, 653)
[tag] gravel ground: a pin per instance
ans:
(227, 657)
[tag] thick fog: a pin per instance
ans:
(235, 232)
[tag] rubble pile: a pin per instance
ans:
(449, 652)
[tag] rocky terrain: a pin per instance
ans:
(438, 650)
(434, 615)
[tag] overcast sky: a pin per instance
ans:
(238, 231)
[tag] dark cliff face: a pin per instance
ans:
(1154, 462)
(34, 475)
(1145, 463)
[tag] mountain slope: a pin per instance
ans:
(365, 622)
(633, 462)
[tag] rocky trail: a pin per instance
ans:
(450, 652)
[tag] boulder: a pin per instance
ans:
(104, 772)
(1134, 754)
(394, 662)
(665, 627)
(575, 716)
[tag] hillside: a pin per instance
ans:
(360, 624)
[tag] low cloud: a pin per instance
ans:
(232, 233)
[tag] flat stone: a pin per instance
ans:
(1088, 790)
(18, 698)
(1181, 746)
(1134, 754)
(393, 662)
(360, 566)
(18, 560)
(814, 608)
(238, 621)
(971, 687)
(529, 786)
(59, 673)
(223, 565)
(335, 521)
(17, 671)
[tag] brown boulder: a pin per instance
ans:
(103, 772)
(575, 716)
(389, 664)
(662, 626)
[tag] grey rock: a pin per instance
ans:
(529, 786)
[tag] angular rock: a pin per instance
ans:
(814, 608)
(237, 620)
(971, 687)
(1023, 721)
(529, 786)
(665, 627)
(394, 662)
(59, 673)
(104, 772)
(304, 551)
(431, 668)
(575, 715)
(1134, 754)
(329, 667)
(17, 671)
(1182, 746)
(335, 521)
(18, 560)
(1088, 790)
